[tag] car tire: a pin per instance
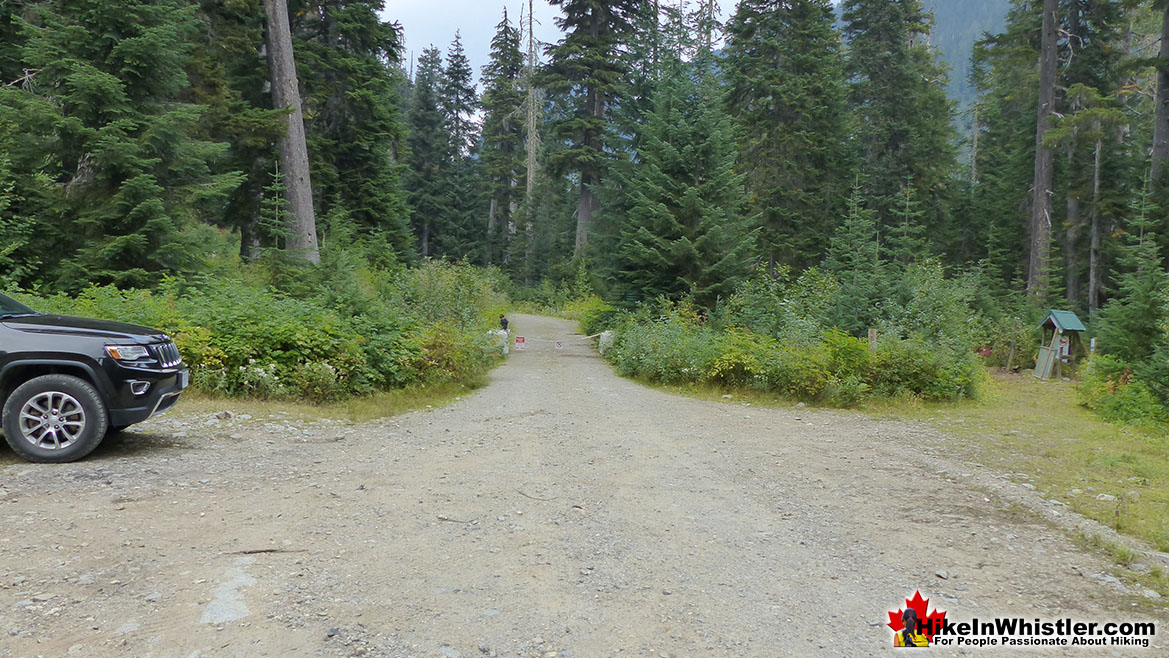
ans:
(73, 419)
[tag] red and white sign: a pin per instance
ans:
(559, 345)
(519, 343)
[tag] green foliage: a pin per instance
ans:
(834, 368)
(854, 258)
(1108, 387)
(502, 151)
(104, 149)
(1136, 320)
(671, 349)
(904, 124)
(347, 61)
(364, 330)
(786, 91)
(684, 233)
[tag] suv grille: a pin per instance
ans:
(167, 354)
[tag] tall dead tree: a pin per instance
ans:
(1040, 252)
(532, 110)
(298, 189)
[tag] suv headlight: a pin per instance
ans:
(127, 352)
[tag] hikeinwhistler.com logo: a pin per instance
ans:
(915, 625)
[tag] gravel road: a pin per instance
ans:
(560, 511)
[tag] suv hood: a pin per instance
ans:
(70, 326)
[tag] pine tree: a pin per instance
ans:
(430, 152)
(226, 75)
(457, 233)
(16, 230)
(1133, 323)
(1004, 69)
(785, 72)
(458, 99)
(907, 241)
(854, 258)
(348, 58)
(105, 145)
(685, 233)
(302, 226)
(503, 138)
(904, 122)
(586, 72)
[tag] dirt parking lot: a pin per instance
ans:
(560, 511)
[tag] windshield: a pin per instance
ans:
(9, 306)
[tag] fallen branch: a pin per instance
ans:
(256, 551)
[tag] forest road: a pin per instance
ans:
(559, 511)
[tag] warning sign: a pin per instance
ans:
(559, 345)
(519, 343)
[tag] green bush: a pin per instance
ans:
(741, 360)
(835, 369)
(799, 372)
(671, 350)
(364, 330)
(911, 368)
(1109, 387)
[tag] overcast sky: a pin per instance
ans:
(435, 21)
(426, 22)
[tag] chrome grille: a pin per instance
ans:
(167, 354)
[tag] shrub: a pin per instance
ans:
(741, 359)
(671, 350)
(364, 330)
(848, 357)
(800, 372)
(1109, 387)
(911, 368)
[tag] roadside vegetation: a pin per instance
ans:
(324, 334)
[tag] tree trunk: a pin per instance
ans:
(1094, 239)
(298, 191)
(531, 163)
(1161, 122)
(595, 105)
(1071, 253)
(1038, 265)
(584, 213)
(491, 226)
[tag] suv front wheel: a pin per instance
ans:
(54, 418)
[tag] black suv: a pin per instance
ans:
(65, 382)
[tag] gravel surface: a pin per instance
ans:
(560, 511)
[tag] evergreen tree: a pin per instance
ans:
(429, 153)
(1003, 164)
(785, 73)
(458, 234)
(458, 99)
(16, 230)
(904, 122)
(907, 241)
(302, 240)
(502, 152)
(347, 58)
(586, 72)
(228, 77)
(685, 233)
(854, 258)
(1133, 323)
(104, 144)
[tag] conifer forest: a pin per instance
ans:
(777, 176)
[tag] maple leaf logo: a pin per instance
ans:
(931, 622)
